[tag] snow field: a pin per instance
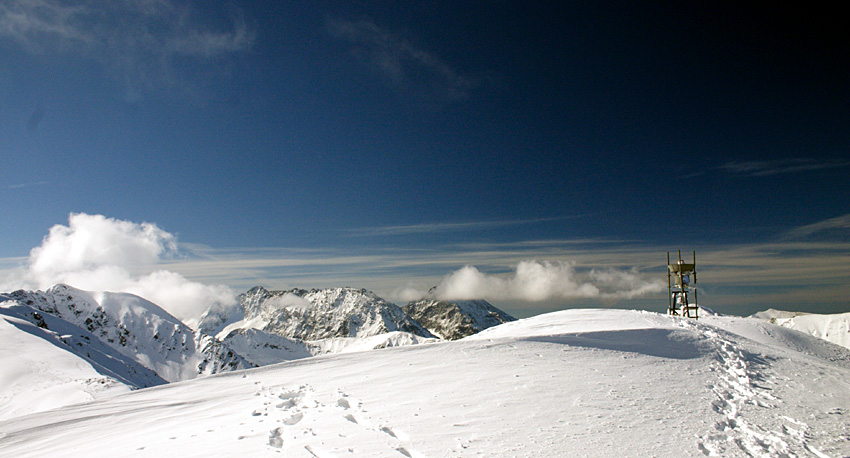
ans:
(573, 383)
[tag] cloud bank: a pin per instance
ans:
(537, 281)
(97, 253)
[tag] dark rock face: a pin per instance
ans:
(454, 320)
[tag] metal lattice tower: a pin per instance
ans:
(681, 281)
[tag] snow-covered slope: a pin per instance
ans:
(452, 320)
(595, 383)
(833, 327)
(135, 328)
(262, 348)
(41, 372)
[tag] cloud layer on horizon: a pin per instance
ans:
(537, 281)
(803, 269)
(97, 253)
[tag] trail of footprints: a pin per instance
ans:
(739, 388)
(302, 419)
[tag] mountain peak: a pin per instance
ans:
(326, 313)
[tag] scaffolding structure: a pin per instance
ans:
(681, 281)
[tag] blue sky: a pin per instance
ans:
(384, 146)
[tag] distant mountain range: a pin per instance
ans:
(272, 326)
(127, 341)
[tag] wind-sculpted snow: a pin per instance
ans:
(454, 320)
(596, 383)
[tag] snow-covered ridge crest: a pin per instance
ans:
(47, 362)
(832, 327)
(324, 313)
(138, 329)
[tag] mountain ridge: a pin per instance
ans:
(135, 327)
(133, 343)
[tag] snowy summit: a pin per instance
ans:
(572, 383)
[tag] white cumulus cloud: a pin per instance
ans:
(97, 253)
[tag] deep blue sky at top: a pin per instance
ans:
(625, 120)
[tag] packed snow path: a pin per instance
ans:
(744, 386)
(572, 383)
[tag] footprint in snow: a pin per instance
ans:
(275, 439)
(294, 419)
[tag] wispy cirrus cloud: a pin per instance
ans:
(802, 269)
(827, 228)
(780, 166)
(27, 185)
(138, 40)
(433, 228)
(403, 65)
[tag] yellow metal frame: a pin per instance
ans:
(679, 285)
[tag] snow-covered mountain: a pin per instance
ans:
(595, 383)
(131, 343)
(133, 327)
(274, 326)
(832, 327)
(324, 313)
(452, 320)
